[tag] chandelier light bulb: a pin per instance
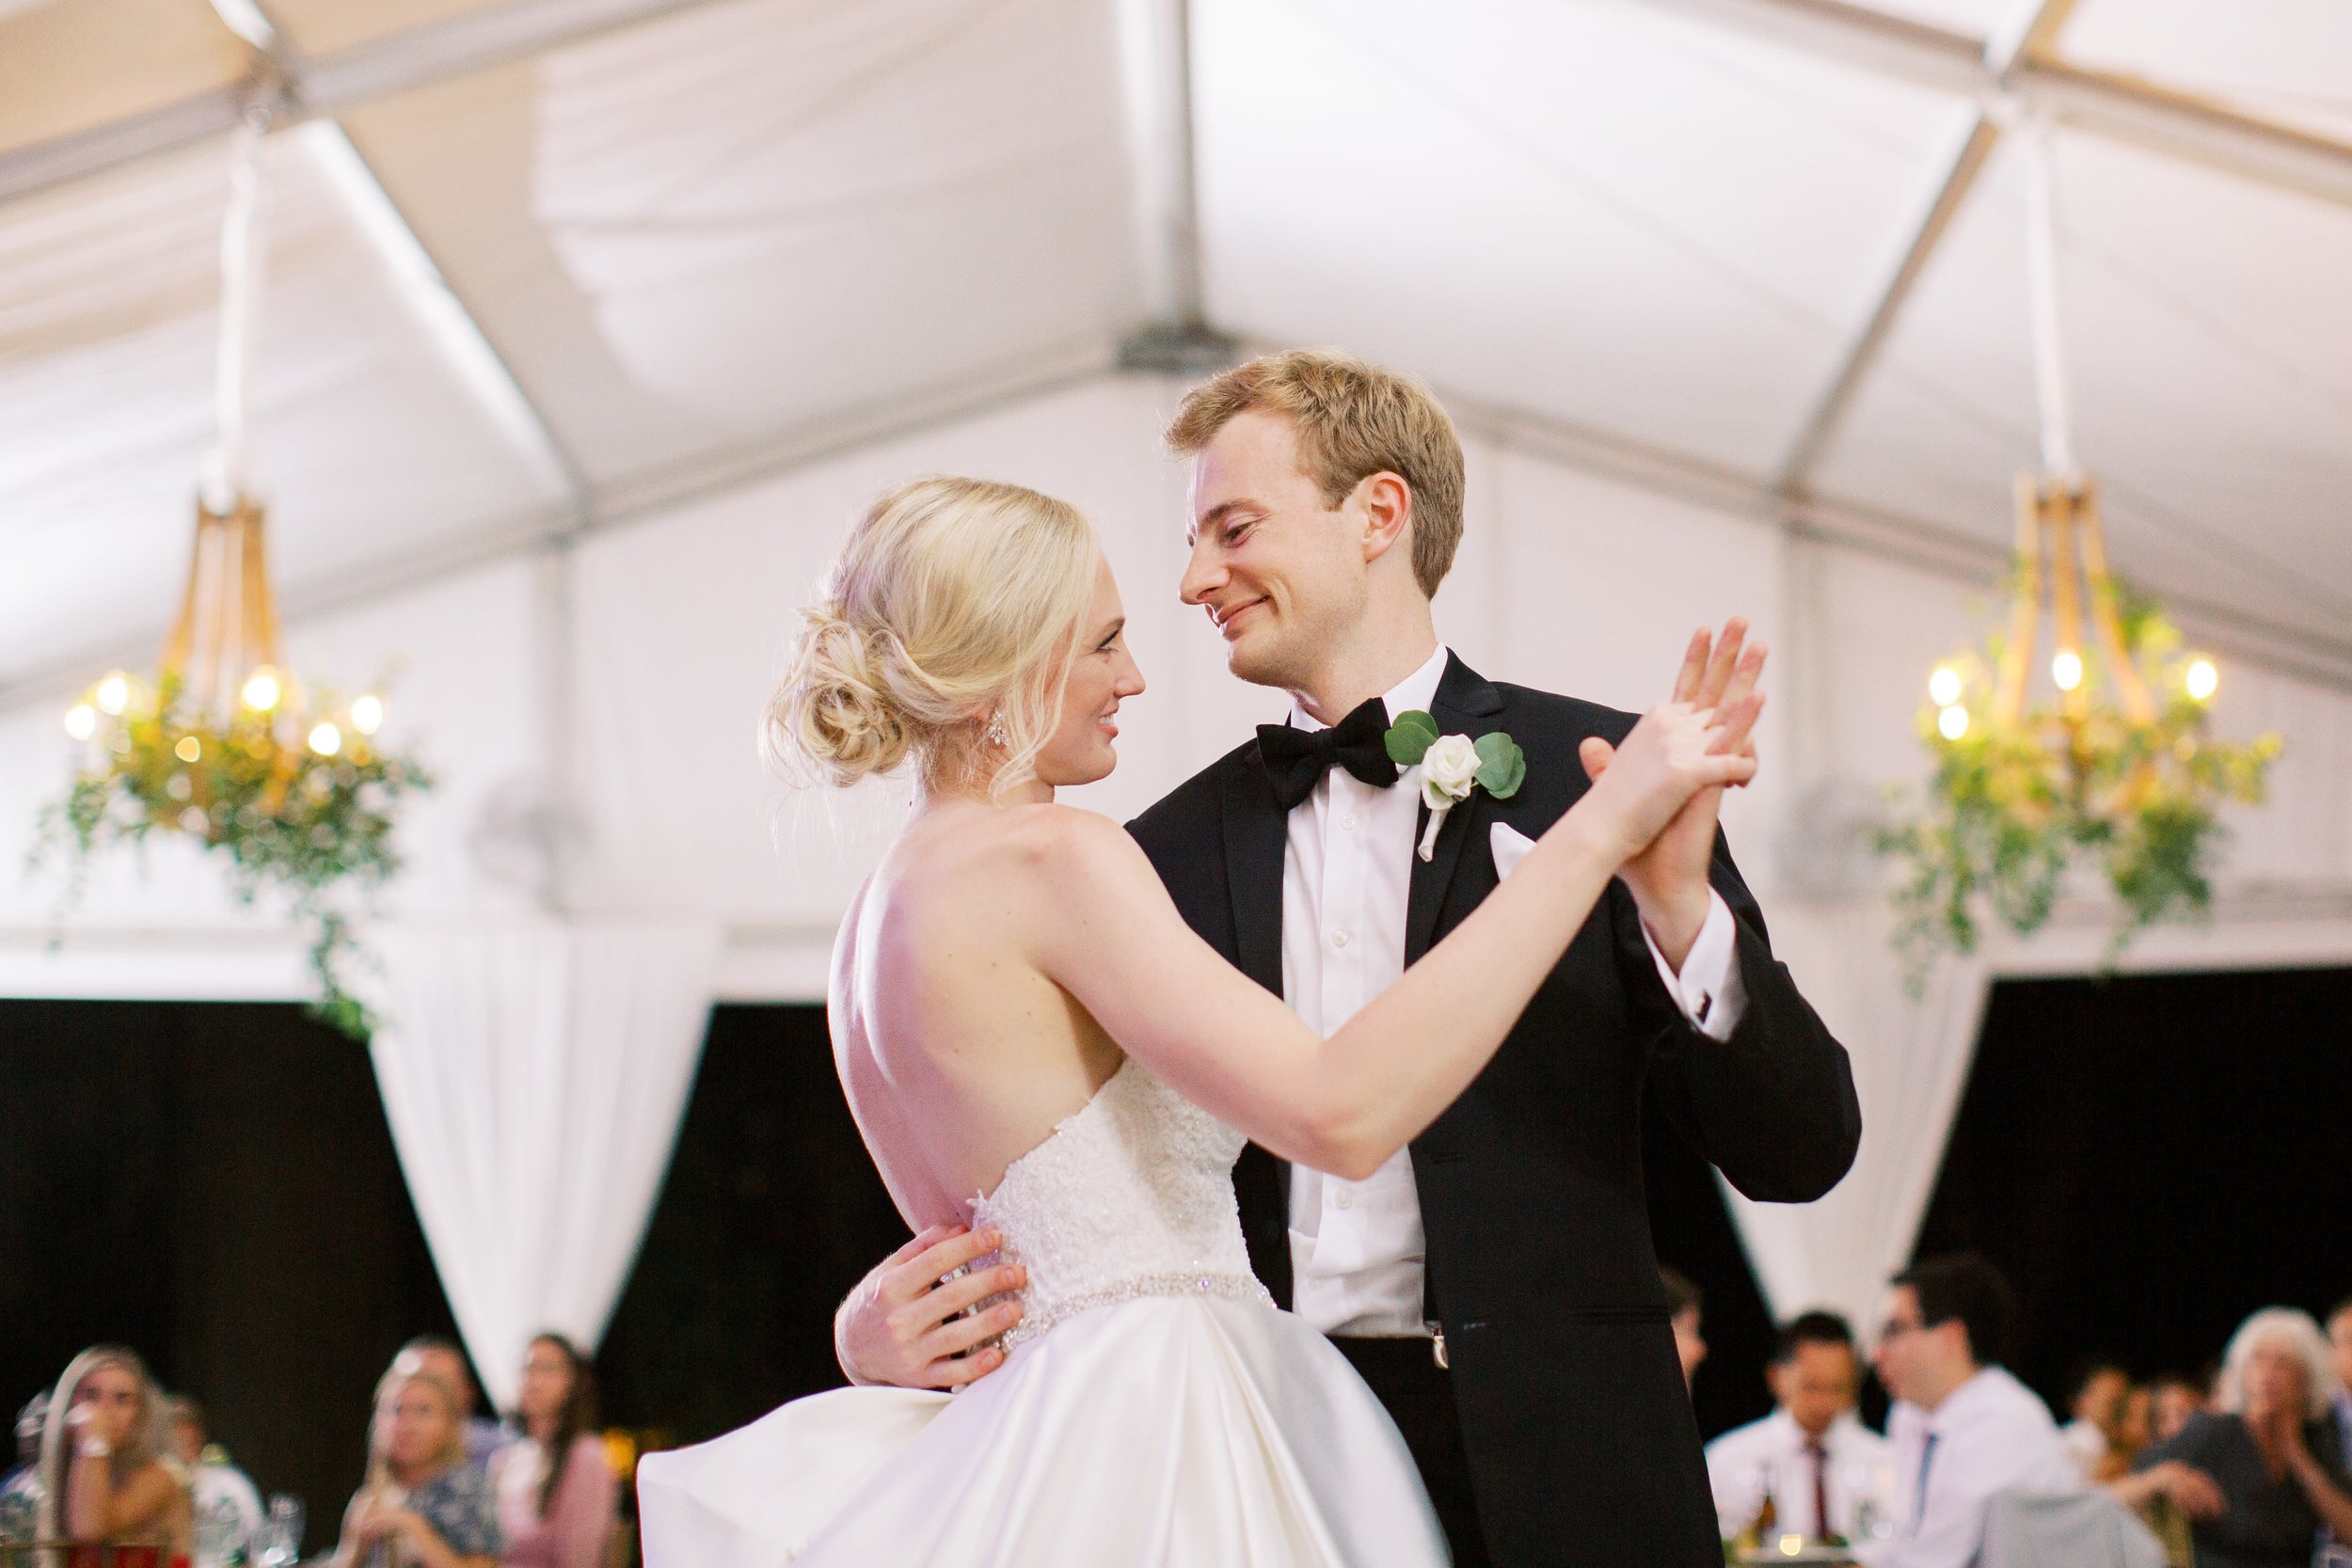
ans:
(367, 714)
(1944, 686)
(2067, 669)
(1952, 721)
(262, 690)
(326, 741)
(189, 748)
(80, 721)
(114, 695)
(2204, 679)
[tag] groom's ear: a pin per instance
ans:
(1384, 504)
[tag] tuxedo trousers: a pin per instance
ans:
(1417, 1393)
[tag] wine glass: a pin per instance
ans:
(280, 1539)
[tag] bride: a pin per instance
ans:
(1033, 1043)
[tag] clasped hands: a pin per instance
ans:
(1669, 879)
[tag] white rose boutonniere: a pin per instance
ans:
(1453, 764)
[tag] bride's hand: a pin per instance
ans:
(1674, 752)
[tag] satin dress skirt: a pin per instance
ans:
(1158, 1430)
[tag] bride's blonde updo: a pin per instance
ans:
(953, 601)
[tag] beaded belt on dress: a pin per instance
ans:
(1232, 1287)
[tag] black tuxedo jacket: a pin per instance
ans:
(1578, 1432)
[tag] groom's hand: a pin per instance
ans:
(901, 1325)
(1669, 879)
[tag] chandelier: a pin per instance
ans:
(224, 746)
(2111, 763)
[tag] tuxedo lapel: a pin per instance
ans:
(1465, 704)
(1256, 833)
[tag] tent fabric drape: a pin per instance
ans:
(534, 1077)
(1911, 1061)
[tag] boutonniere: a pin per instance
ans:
(1453, 764)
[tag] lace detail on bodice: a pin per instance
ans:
(1130, 1195)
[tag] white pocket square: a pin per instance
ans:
(1510, 848)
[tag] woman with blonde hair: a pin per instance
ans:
(2263, 1471)
(421, 1505)
(1033, 1040)
(106, 1479)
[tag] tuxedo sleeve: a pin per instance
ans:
(1773, 1106)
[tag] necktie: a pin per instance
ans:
(1820, 1455)
(1295, 760)
(1919, 1504)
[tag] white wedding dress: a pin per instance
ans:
(1155, 1407)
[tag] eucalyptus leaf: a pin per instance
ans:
(1504, 765)
(1409, 738)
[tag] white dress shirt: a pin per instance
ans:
(1856, 1465)
(1991, 1435)
(1347, 873)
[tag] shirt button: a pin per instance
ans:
(1347, 823)
(1345, 1198)
(1339, 938)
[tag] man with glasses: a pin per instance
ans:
(1963, 1431)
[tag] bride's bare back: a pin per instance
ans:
(957, 1052)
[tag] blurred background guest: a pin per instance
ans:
(1963, 1429)
(1811, 1455)
(20, 1490)
(2340, 1345)
(2175, 1397)
(2096, 1399)
(556, 1497)
(430, 1353)
(103, 1473)
(227, 1505)
(2262, 1473)
(422, 1504)
(1682, 1304)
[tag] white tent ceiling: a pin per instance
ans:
(683, 243)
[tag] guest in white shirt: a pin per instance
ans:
(1963, 1431)
(1821, 1466)
(2097, 1397)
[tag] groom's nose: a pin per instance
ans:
(1204, 574)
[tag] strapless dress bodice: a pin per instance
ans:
(1130, 1195)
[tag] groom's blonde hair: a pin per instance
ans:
(1354, 420)
(943, 634)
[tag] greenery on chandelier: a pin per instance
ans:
(295, 802)
(2118, 769)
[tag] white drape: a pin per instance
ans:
(1911, 1060)
(534, 1077)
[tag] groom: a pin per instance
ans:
(1494, 1282)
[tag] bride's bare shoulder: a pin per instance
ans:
(1011, 846)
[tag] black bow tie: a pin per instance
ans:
(1295, 760)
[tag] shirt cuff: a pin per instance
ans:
(1708, 990)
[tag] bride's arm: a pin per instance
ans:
(1109, 935)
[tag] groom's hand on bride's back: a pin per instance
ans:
(904, 1325)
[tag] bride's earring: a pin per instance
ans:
(996, 735)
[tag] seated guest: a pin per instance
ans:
(103, 1475)
(20, 1490)
(1963, 1429)
(228, 1504)
(1682, 1306)
(2340, 1343)
(430, 1353)
(557, 1494)
(2262, 1474)
(2096, 1397)
(2176, 1396)
(423, 1505)
(1815, 1460)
